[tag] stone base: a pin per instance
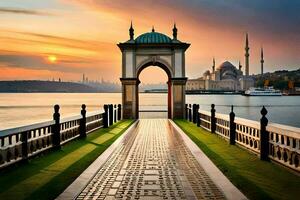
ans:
(176, 98)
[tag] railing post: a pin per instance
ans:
(186, 112)
(194, 114)
(111, 114)
(56, 128)
(24, 139)
(105, 116)
(198, 115)
(82, 125)
(264, 135)
(232, 127)
(213, 119)
(190, 112)
(119, 112)
(115, 113)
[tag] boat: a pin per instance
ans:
(266, 91)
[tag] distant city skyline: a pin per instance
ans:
(66, 38)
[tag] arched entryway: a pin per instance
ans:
(156, 109)
(153, 49)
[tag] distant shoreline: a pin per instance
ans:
(35, 86)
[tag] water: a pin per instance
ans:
(281, 109)
(17, 109)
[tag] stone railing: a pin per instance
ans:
(277, 142)
(21, 143)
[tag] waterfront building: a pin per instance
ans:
(225, 77)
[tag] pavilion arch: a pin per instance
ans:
(159, 63)
(153, 49)
(168, 72)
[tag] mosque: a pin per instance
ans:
(225, 77)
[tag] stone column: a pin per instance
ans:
(264, 135)
(130, 97)
(213, 119)
(82, 125)
(56, 128)
(178, 97)
(232, 126)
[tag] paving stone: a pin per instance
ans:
(153, 163)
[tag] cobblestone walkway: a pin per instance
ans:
(153, 163)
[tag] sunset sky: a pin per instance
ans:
(45, 39)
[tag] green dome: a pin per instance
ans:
(153, 37)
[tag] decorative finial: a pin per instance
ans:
(174, 32)
(263, 111)
(131, 32)
(153, 29)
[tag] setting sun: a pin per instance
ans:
(52, 59)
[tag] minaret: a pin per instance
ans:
(262, 61)
(174, 32)
(131, 32)
(214, 65)
(247, 56)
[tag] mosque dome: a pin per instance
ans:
(228, 71)
(226, 65)
(153, 38)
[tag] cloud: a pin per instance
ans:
(68, 42)
(276, 17)
(23, 11)
(16, 60)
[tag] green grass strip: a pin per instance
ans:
(255, 178)
(45, 177)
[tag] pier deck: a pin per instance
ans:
(152, 163)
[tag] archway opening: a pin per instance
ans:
(154, 92)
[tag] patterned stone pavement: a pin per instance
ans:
(153, 163)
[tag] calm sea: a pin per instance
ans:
(23, 109)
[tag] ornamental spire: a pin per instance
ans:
(153, 29)
(131, 32)
(174, 32)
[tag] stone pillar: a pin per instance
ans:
(232, 127)
(24, 139)
(186, 111)
(264, 135)
(198, 115)
(213, 121)
(82, 125)
(190, 112)
(115, 113)
(119, 112)
(111, 114)
(130, 97)
(105, 116)
(178, 97)
(194, 114)
(56, 128)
